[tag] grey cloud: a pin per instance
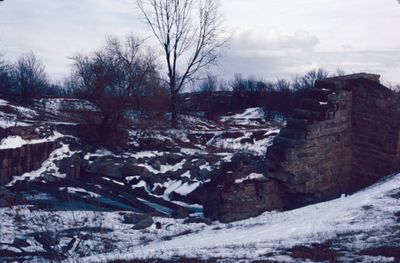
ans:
(274, 55)
(261, 39)
(269, 53)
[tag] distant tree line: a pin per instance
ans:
(215, 97)
(122, 80)
(25, 79)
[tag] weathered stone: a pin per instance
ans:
(7, 198)
(156, 165)
(134, 170)
(241, 201)
(345, 136)
(144, 223)
(155, 144)
(73, 166)
(20, 242)
(197, 220)
(29, 157)
(133, 218)
(173, 159)
(109, 168)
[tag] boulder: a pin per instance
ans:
(20, 242)
(156, 165)
(133, 218)
(134, 170)
(203, 175)
(7, 198)
(173, 159)
(199, 162)
(144, 223)
(108, 168)
(159, 190)
(47, 239)
(197, 220)
(155, 144)
(73, 166)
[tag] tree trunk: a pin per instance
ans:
(174, 122)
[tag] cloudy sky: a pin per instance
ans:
(271, 38)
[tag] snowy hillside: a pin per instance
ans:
(146, 202)
(362, 227)
(350, 225)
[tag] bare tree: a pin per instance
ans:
(113, 79)
(189, 32)
(5, 77)
(308, 80)
(137, 64)
(29, 78)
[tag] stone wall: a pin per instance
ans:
(15, 162)
(312, 155)
(343, 137)
(228, 203)
(376, 132)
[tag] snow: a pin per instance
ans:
(47, 166)
(171, 187)
(252, 176)
(164, 168)
(140, 184)
(7, 121)
(251, 116)
(13, 142)
(272, 231)
(60, 105)
(258, 147)
(74, 190)
(13, 118)
(187, 188)
(251, 239)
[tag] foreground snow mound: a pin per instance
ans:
(358, 222)
(347, 229)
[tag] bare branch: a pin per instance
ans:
(189, 32)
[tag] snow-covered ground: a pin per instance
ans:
(367, 215)
(15, 141)
(348, 225)
(15, 116)
(250, 116)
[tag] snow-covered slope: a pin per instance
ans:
(361, 221)
(250, 117)
(347, 229)
(168, 166)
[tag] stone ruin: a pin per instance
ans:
(24, 159)
(345, 136)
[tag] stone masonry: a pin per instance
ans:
(29, 157)
(345, 136)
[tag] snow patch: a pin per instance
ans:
(252, 176)
(13, 142)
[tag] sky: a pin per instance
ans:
(270, 38)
